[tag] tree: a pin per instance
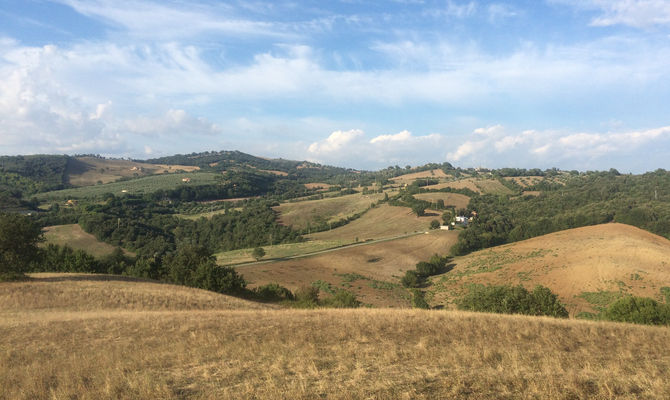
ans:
(18, 244)
(258, 253)
(434, 224)
(418, 209)
(638, 310)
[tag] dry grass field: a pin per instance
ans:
(478, 185)
(75, 237)
(597, 260)
(299, 214)
(378, 223)
(411, 177)
(110, 352)
(87, 171)
(371, 271)
(450, 199)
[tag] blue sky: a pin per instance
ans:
(573, 84)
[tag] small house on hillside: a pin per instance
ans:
(186, 180)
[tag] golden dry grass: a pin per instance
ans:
(610, 257)
(467, 183)
(74, 236)
(301, 213)
(87, 171)
(380, 222)
(334, 354)
(409, 178)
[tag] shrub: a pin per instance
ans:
(411, 279)
(512, 300)
(342, 299)
(418, 299)
(273, 292)
(307, 297)
(638, 310)
(434, 224)
(210, 276)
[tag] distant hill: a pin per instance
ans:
(588, 267)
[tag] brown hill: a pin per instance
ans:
(371, 271)
(87, 171)
(587, 267)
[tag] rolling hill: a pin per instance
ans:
(587, 267)
(72, 235)
(98, 337)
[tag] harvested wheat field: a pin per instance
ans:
(371, 271)
(411, 177)
(586, 267)
(468, 183)
(380, 222)
(334, 354)
(74, 236)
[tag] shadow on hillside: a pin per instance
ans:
(89, 278)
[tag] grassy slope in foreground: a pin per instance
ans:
(603, 258)
(107, 352)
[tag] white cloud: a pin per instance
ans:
(532, 148)
(635, 13)
(157, 20)
(350, 148)
(335, 143)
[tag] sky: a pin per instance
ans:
(572, 84)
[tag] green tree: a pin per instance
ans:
(418, 209)
(638, 310)
(19, 237)
(434, 224)
(418, 300)
(258, 253)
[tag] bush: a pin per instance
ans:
(411, 279)
(512, 300)
(434, 224)
(342, 299)
(273, 292)
(638, 310)
(307, 297)
(418, 299)
(210, 276)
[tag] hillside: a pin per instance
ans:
(72, 235)
(89, 171)
(587, 267)
(371, 271)
(203, 349)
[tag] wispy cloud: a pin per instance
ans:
(636, 13)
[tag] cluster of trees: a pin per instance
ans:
(638, 310)
(512, 300)
(151, 228)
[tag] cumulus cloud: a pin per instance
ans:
(496, 147)
(351, 148)
(337, 143)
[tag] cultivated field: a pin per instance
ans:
(409, 178)
(277, 251)
(87, 171)
(380, 222)
(142, 185)
(302, 213)
(450, 199)
(587, 267)
(75, 237)
(214, 352)
(477, 185)
(371, 271)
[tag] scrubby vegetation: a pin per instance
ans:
(512, 300)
